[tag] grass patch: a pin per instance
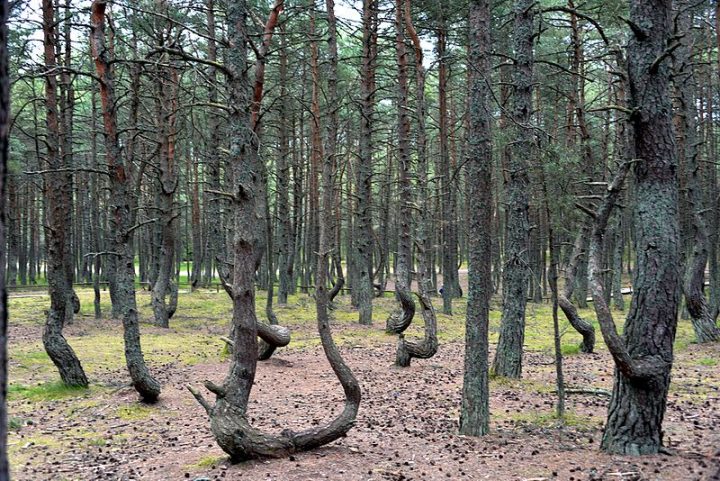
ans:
(708, 361)
(570, 349)
(551, 419)
(134, 412)
(207, 462)
(45, 392)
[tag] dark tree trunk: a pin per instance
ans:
(428, 346)
(4, 143)
(362, 229)
(644, 354)
(228, 419)
(401, 319)
(508, 358)
(58, 192)
(475, 411)
(120, 211)
(66, 113)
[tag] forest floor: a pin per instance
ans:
(406, 428)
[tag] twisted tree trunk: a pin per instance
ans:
(427, 347)
(573, 316)
(696, 243)
(228, 418)
(400, 320)
(58, 192)
(121, 185)
(643, 355)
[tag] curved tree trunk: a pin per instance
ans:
(400, 320)
(425, 349)
(573, 316)
(58, 192)
(121, 213)
(643, 355)
(696, 242)
(509, 354)
(228, 419)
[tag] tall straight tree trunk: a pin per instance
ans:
(13, 232)
(363, 226)
(400, 320)
(509, 354)
(643, 355)
(4, 143)
(58, 192)
(67, 110)
(120, 207)
(286, 241)
(334, 105)
(696, 245)
(475, 411)
(451, 286)
(214, 237)
(316, 156)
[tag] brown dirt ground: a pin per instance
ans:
(406, 429)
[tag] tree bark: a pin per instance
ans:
(228, 419)
(167, 85)
(451, 286)
(58, 191)
(509, 354)
(286, 240)
(363, 231)
(586, 330)
(121, 184)
(643, 356)
(475, 410)
(401, 319)
(428, 346)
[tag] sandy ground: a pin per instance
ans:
(406, 429)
